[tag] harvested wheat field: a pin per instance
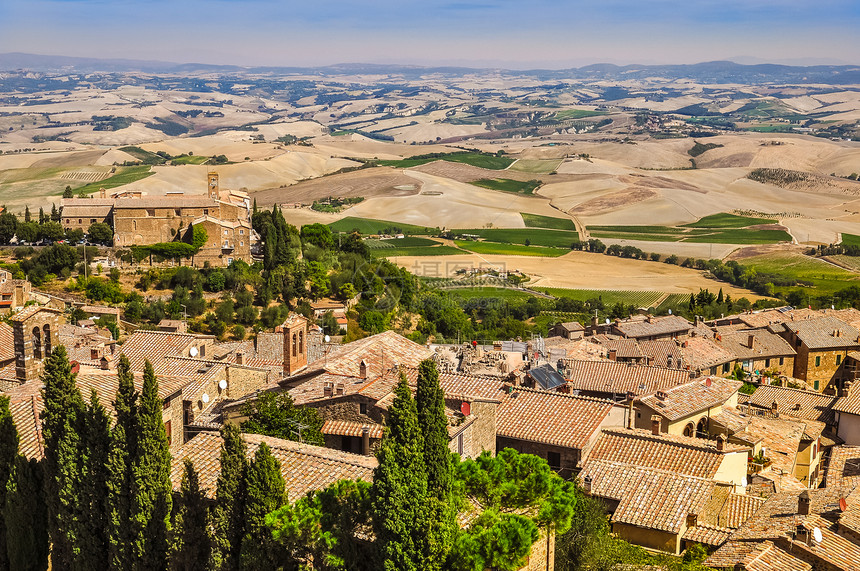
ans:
(367, 183)
(580, 270)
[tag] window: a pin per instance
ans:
(205, 212)
(782, 360)
(80, 221)
(725, 367)
(167, 431)
(818, 361)
(241, 242)
(767, 363)
(362, 408)
(689, 429)
(225, 232)
(241, 232)
(92, 220)
(177, 212)
(816, 385)
(150, 211)
(553, 459)
(460, 444)
(165, 405)
(838, 359)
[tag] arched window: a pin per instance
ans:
(702, 427)
(47, 331)
(294, 345)
(37, 343)
(301, 342)
(689, 429)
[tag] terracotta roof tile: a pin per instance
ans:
(620, 378)
(25, 413)
(825, 333)
(550, 418)
(701, 353)
(843, 470)
(154, 345)
(351, 428)
(755, 556)
(764, 345)
(709, 535)
(795, 403)
(689, 398)
(653, 327)
(648, 497)
(680, 454)
(305, 468)
(7, 345)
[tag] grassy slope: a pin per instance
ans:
(508, 185)
(825, 277)
(373, 226)
(124, 175)
(538, 221)
(726, 220)
(536, 166)
(494, 248)
(536, 236)
(491, 162)
(609, 297)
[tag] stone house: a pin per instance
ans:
(822, 345)
(686, 409)
(759, 350)
(649, 328)
(14, 294)
(569, 330)
(613, 380)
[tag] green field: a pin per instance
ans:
(535, 236)
(124, 175)
(536, 166)
(577, 114)
(407, 242)
(725, 235)
(508, 294)
(850, 239)
(494, 248)
(827, 278)
(373, 226)
(189, 160)
(673, 300)
(726, 220)
(508, 185)
(852, 262)
(609, 297)
(486, 161)
(538, 221)
(143, 155)
(416, 251)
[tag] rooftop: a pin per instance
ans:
(651, 327)
(683, 400)
(703, 353)
(304, 467)
(550, 417)
(843, 470)
(764, 344)
(620, 378)
(796, 403)
(825, 333)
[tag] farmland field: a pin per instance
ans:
(189, 160)
(536, 166)
(498, 292)
(850, 239)
(673, 300)
(408, 242)
(538, 221)
(415, 251)
(124, 175)
(535, 236)
(826, 277)
(372, 226)
(510, 249)
(481, 160)
(609, 297)
(577, 114)
(508, 185)
(726, 220)
(727, 235)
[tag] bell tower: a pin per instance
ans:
(295, 330)
(213, 186)
(34, 336)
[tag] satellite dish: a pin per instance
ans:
(832, 307)
(327, 338)
(670, 312)
(744, 482)
(193, 352)
(816, 535)
(466, 409)
(843, 505)
(222, 384)
(205, 397)
(607, 321)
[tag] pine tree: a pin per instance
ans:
(26, 214)
(400, 487)
(254, 211)
(441, 513)
(192, 544)
(265, 494)
(95, 507)
(61, 422)
(151, 488)
(229, 507)
(123, 450)
(26, 517)
(8, 453)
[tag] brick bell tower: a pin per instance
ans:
(295, 330)
(213, 186)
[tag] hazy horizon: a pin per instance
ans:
(471, 33)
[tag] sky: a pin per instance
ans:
(515, 34)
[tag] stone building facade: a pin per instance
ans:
(35, 333)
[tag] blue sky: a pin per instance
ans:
(509, 33)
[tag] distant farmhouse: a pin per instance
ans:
(139, 220)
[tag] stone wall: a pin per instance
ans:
(569, 457)
(172, 413)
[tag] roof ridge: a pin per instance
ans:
(662, 437)
(556, 393)
(293, 444)
(652, 469)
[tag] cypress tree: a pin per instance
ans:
(26, 517)
(229, 507)
(123, 450)
(720, 297)
(55, 215)
(61, 423)
(26, 214)
(270, 248)
(265, 494)
(41, 215)
(192, 544)
(151, 489)
(441, 514)
(95, 520)
(400, 487)
(8, 453)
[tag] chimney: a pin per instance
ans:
(649, 319)
(669, 361)
(751, 341)
(803, 503)
(362, 369)
(240, 358)
(631, 420)
(661, 395)
(613, 354)
(102, 192)
(655, 425)
(594, 322)
(586, 485)
(365, 440)
(774, 408)
(327, 390)
(721, 442)
(846, 388)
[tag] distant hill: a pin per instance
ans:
(706, 72)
